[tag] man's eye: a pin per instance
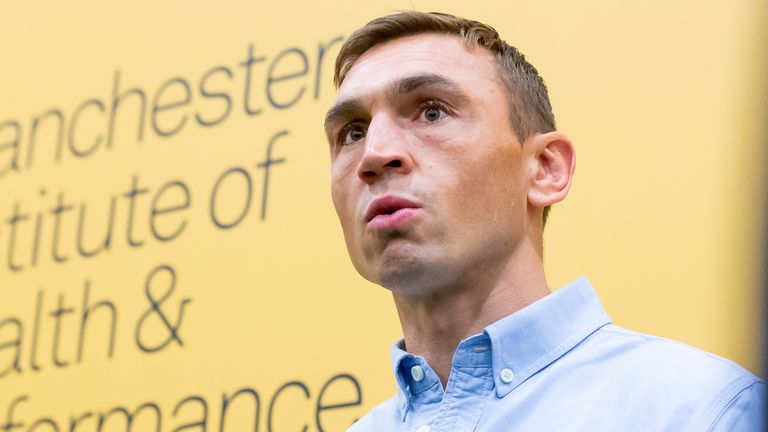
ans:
(353, 134)
(433, 113)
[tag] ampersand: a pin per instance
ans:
(156, 311)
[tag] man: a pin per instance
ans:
(445, 160)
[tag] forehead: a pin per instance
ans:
(448, 55)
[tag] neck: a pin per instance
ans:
(435, 323)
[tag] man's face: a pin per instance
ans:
(428, 178)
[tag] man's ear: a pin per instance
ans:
(552, 161)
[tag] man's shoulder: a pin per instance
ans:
(383, 414)
(658, 372)
(634, 373)
(661, 355)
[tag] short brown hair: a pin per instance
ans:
(529, 108)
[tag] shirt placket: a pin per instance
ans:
(464, 399)
(470, 382)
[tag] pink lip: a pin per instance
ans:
(389, 212)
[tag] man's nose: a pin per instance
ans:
(386, 151)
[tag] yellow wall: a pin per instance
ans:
(664, 100)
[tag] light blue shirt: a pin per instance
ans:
(560, 365)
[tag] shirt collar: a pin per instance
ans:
(524, 342)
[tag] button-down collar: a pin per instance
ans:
(517, 346)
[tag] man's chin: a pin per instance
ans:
(400, 264)
(408, 275)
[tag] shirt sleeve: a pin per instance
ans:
(746, 412)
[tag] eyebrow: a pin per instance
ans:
(344, 109)
(352, 107)
(411, 84)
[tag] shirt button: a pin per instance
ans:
(417, 372)
(424, 428)
(507, 375)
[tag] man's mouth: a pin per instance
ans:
(389, 212)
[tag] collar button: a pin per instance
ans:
(507, 375)
(417, 372)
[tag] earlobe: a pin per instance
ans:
(553, 161)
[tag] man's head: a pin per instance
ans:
(529, 108)
(444, 157)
